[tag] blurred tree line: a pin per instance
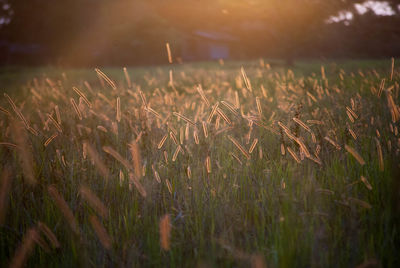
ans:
(115, 32)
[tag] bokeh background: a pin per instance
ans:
(134, 32)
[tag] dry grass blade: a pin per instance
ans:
(83, 96)
(253, 145)
(293, 154)
(17, 111)
(94, 156)
(208, 164)
(127, 77)
(52, 137)
(169, 186)
(239, 146)
(63, 206)
(205, 130)
(55, 123)
(392, 70)
(117, 156)
(380, 155)
(162, 141)
(151, 110)
(49, 234)
(76, 108)
(5, 185)
(165, 232)
(169, 52)
(5, 111)
(352, 133)
(223, 115)
(175, 155)
(337, 146)
(133, 179)
(118, 116)
(355, 154)
(393, 108)
(202, 95)
(94, 201)
(136, 158)
(366, 183)
(26, 247)
(184, 118)
(101, 232)
(236, 158)
(214, 109)
(246, 80)
(258, 103)
(360, 202)
(157, 176)
(352, 112)
(25, 152)
(230, 107)
(173, 137)
(302, 124)
(106, 78)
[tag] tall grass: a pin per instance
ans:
(226, 166)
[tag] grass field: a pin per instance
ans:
(201, 164)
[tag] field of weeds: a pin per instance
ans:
(234, 165)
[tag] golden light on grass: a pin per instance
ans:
(165, 232)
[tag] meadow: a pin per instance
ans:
(235, 164)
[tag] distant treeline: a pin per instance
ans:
(122, 32)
